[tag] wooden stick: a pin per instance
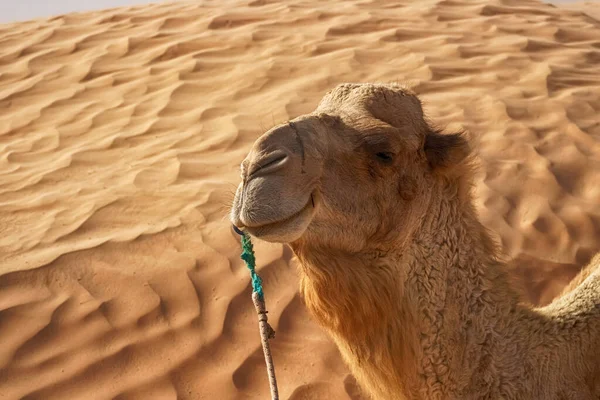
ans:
(266, 333)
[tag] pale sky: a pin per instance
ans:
(21, 10)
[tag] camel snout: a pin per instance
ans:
(278, 198)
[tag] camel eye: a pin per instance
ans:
(378, 147)
(385, 157)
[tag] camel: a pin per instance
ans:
(377, 207)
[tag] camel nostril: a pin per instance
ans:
(268, 164)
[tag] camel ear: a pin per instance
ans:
(445, 151)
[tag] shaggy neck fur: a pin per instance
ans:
(437, 319)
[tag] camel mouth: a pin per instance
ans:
(289, 228)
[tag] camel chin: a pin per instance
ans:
(286, 230)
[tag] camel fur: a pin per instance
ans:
(395, 265)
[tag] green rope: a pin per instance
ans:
(266, 331)
(248, 257)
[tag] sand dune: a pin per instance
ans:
(121, 133)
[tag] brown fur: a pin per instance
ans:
(396, 265)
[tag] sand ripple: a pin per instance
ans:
(120, 136)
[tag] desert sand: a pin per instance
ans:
(121, 133)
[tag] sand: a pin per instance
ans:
(121, 133)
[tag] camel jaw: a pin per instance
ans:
(286, 229)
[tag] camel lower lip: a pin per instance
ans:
(258, 230)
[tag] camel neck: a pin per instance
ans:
(472, 325)
(467, 311)
(455, 260)
(437, 311)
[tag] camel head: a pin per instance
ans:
(356, 174)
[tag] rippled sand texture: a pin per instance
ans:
(121, 133)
